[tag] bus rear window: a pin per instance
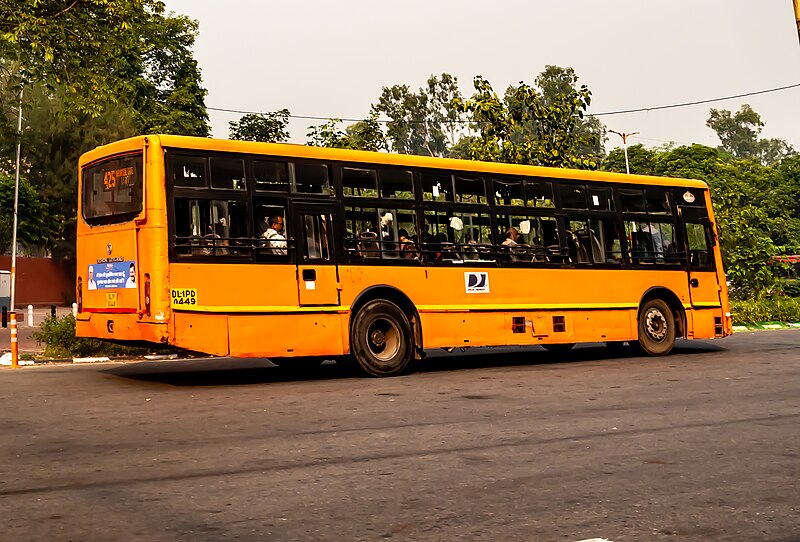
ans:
(112, 190)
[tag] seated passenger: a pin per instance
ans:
(408, 249)
(512, 237)
(274, 236)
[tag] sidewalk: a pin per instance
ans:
(27, 344)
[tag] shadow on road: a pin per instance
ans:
(235, 372)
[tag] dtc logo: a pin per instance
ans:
(476, 282)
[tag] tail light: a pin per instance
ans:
(147, 293)
(80, 294)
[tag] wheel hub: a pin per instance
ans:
(383, 339)
(377, 337)
(656, 325)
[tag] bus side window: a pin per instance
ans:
(359, 182)
(361, 239)
(227, 173)
(315, 228)
(273, 231)
(396, 184)
(189, 171)
(509, 192)
(470, 189)
(698, 245)
(605, 238)
(310, 178)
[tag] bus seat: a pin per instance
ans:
(642, 247)
(522, 253)
(572, 245)
(557, 254)
(449, 251)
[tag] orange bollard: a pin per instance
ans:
(14, 344)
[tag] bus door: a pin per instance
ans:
(704, 288)
(317, 272)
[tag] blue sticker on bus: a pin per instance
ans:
(105, 276)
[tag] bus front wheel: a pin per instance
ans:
(381, 340)
(656, 328)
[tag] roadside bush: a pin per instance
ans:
(58, 336)
(768, 309)
(791, 287)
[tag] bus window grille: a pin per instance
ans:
(559, 324)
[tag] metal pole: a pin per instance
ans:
(14, 343)
(625, 137)
(625, 150)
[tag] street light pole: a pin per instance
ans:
(625, 137)
(13, 313)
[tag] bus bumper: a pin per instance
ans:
(119, 327)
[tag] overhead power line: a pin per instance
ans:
(698, 102)
(605, 114)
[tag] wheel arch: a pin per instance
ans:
(671, 299)
(399, 298)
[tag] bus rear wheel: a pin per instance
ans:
(381, 340)
(656, 328)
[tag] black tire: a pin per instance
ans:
(381, 340)
(563, 347)
(656, 328)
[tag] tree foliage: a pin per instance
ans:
(423, 122)
(156, 88)
(640, 159)
(52, 143)
(757, 207)
(37, 223)
(526, 127)
(83, 47)
(169, 96)
(266, 127)
(363, 135)
(738, 132)
(555, 81)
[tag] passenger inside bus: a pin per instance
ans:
(408, 248)
(275, 240)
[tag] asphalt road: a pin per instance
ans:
(496, 445)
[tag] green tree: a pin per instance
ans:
(52, 141)
(37, 223)
(549, 136)
(363, 135)
(153, 77)
(80, 46)
(169, 96)
(555, 82)
(266, 127)
(640, 159)
(738, 132)
(423, 122)
(747, 200)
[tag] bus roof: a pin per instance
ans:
(370, 157)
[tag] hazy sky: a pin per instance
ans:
(331, 58)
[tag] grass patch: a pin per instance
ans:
(768, 309)
(58, 336)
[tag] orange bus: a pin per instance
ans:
(300, 254)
